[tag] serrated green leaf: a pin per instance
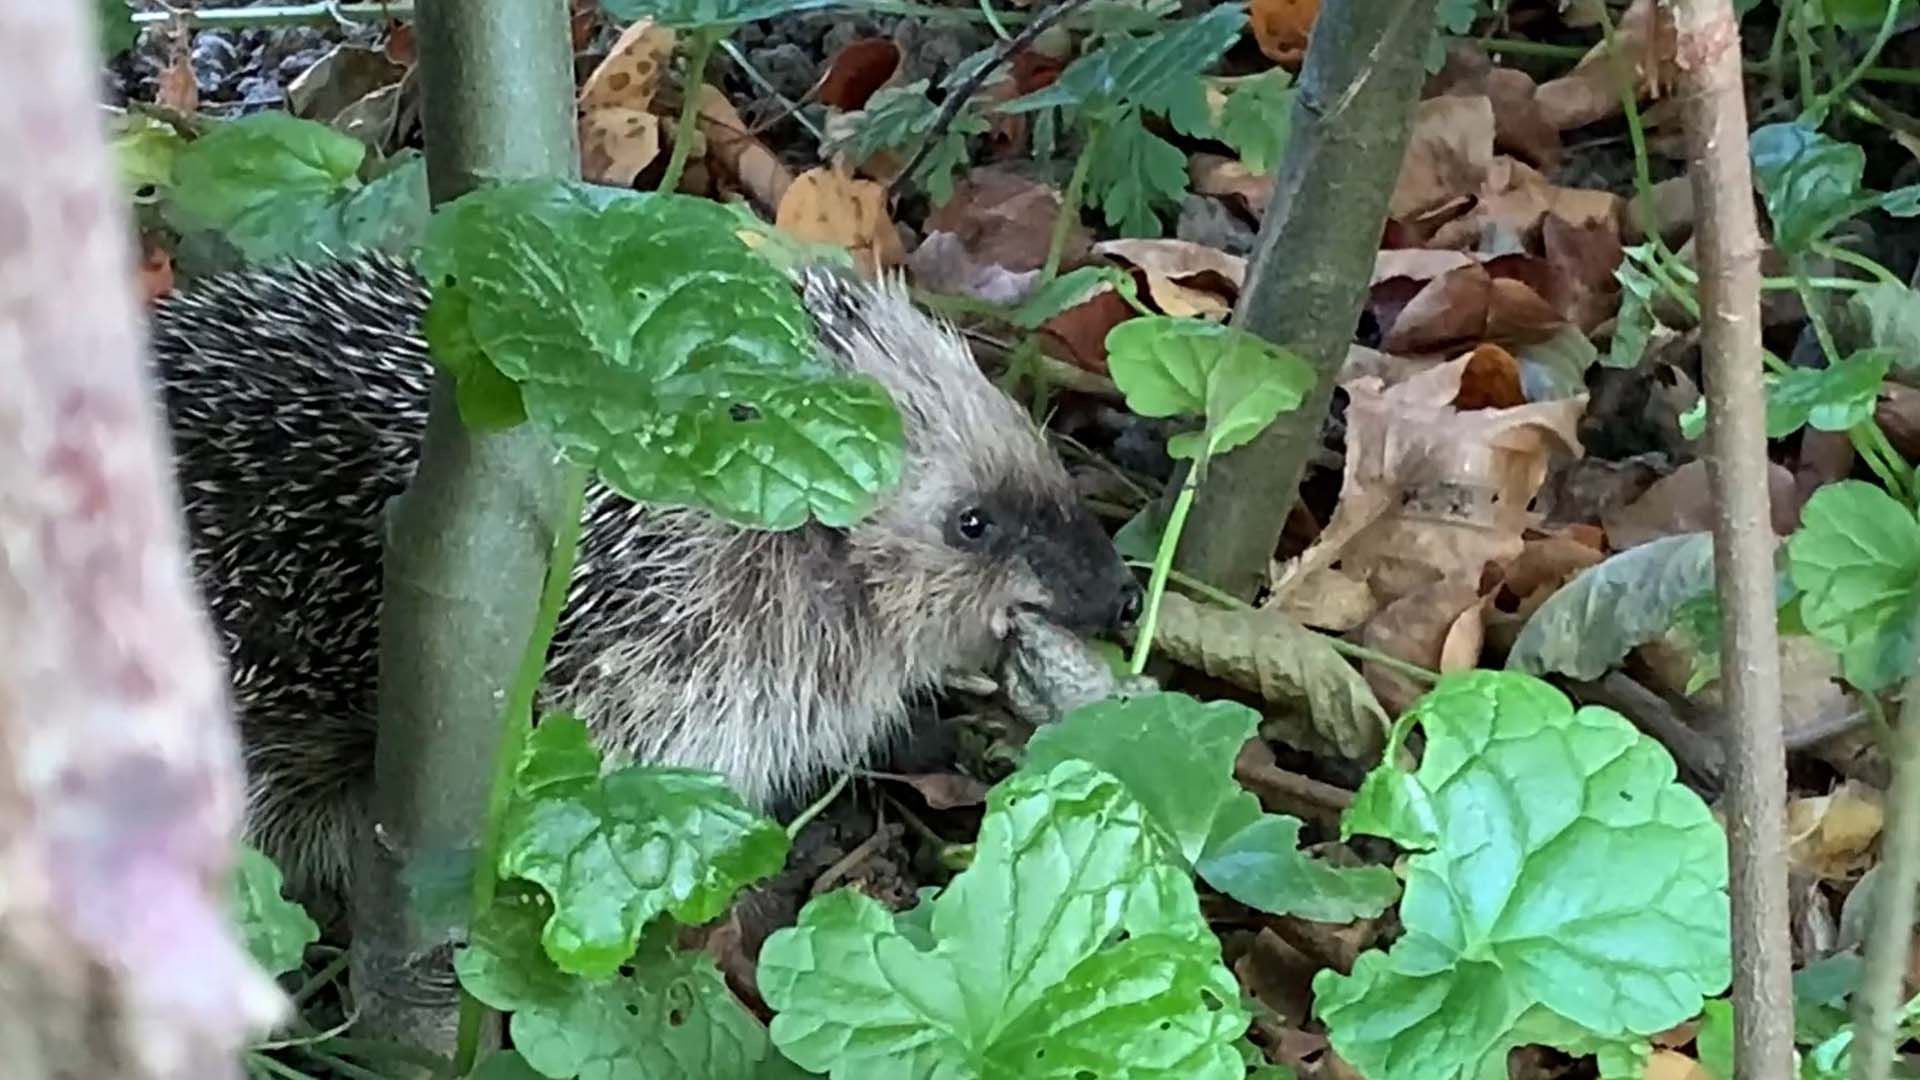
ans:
(1171, 366)
(1520, 927)
(1856, 560)
(1175, 755)
(114, 21)
(1135, 174)
(899, 118)
(1808, 179)
(1892, 312)
(1257, 118)
(614, 851)
(665, 1015)
(1140, 71)
(276, 930)
(1068, 290)
(1025, 977)
(1635, 323)
(1833, 398)
(1608, 609)
(703, 14)
(683, 381)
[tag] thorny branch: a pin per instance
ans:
(1707, 54)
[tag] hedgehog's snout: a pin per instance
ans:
(1132, 596)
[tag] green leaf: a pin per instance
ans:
(1856, 560)
(1556, 368)
(1134, 174)
(899, 118)
(1610, 608)
(1456, 16)
(614, 851)
(704, 14)
(114, 19)
(1902, 202)
(1238, 383)
(260, 178)
(1140, 71)
(663, 1016)
(1068, 290)
(1258, 117)
(656, 347)
(504, 1065)
(488, 400)
(1635, 324)
(1520, 925)
(1808, 180)
(1175, 755)
(146, 149)
(1820, 997)
(1026, 976)
(1892, 313)
(1859, 16)
(276, 930)
(1833, 398)
(1715, 1041)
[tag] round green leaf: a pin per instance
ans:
(244, 177)
(1808, 179)
(276, 930)
(703, 14)
(1181, 367)
(1856, 561)
(1520, 925)
(1833, 398)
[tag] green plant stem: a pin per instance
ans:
(263, 1063)
(321, 978)
(516, 726)
(1770, 66)
(1070, 204)
(790, 107)
(377, 1050)
(342, 1067)
(1901, 482)
(1814, 315)
(1837, 253)
(1163, 565)
(1849, 80)
(1878, 1003)
(1797, 26)
(818, 806)
(701, 48)
(1775, 284)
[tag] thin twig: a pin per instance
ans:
(1882, 990)
(1713, 107)
(957, 97)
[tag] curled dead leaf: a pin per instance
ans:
(1833, 836)
(628, 77)
(1448, 154)
(1438, 628)
(1282, 27)
(1465, 306)
(738, 156)
(1322, 703)
(1182, 278)
(617, 144)
(1644, 39)
(860, 69)
(1230, 179)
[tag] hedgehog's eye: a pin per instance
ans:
(973, 523)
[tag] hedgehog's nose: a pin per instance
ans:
(1128, 611)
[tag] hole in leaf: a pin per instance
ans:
(676, 1017)
(1212, 1003)
(626, 971)
(632, 1009)
(741, 412)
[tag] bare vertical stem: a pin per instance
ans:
(1883, 986)
(1714, 109)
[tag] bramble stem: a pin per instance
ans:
(1070, 204)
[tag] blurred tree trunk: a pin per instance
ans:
(120, 775)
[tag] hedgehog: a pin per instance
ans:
(297, 396)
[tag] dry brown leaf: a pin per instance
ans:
(1591, 91)
(857, 71)
(176, 87)
(1417, 628)
(1078, 335)
(629, 76)
(736, 154)
(1467, 306)
(1519, 127)
(1431, 493)
(1419, 264)
(1673, 1065)
(1321, 703)
(1230, 179)
(825, 206)
(617, 144)
(1329, 600)
(1682, 502)
(346, 74)
(943, 790)
(1898, 414)
(990, 240)
(1448, 154)
(399, 47)
(1511, 203)
(1833, 836)
(1182, 278)
(1583, 259)
(1282, 27)
(1491, 380)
